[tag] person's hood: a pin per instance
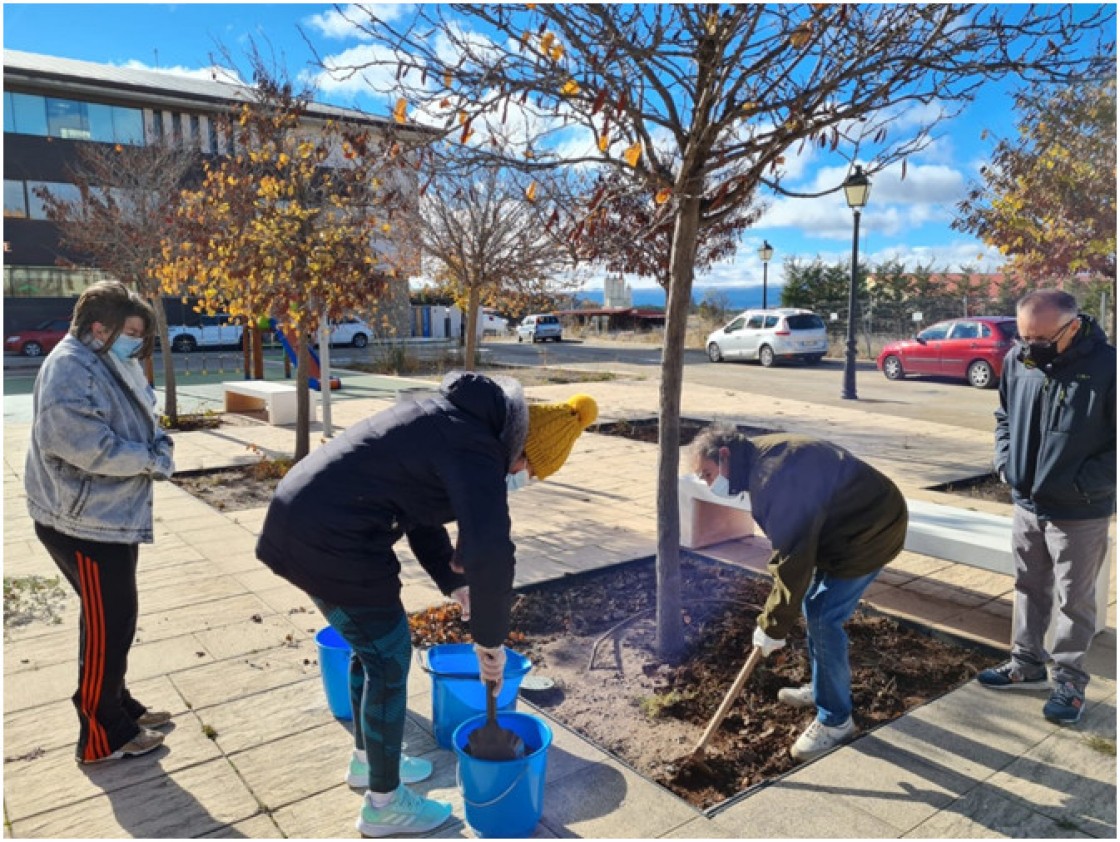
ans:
(1089, 335)
(498, 402)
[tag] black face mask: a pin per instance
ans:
(1041, 354)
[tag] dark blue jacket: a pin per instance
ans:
(406, 471)
(1056, 429)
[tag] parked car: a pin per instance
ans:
(972, 349)
(211, 332)
(785, 333)
(352, 332)
(38, 340)
(539, 327)
(491, 324)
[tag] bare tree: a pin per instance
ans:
(701, 104)
(486, 236)
(127, 197)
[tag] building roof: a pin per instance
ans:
(32, 71)
(632, 312)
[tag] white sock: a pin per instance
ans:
(360, 755)
(381, 799)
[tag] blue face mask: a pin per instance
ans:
(721, 486)
(515, 482)
(125, 346)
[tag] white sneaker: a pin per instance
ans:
(413, 770)
(798, 697)
(406, 813)
(820, 739)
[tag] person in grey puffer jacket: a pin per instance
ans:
(404, 473)
(1056, 448)
(96, 446)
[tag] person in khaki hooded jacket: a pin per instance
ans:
(834, 522)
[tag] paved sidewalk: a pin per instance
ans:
(227, 646)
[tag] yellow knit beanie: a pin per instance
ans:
(554, 428)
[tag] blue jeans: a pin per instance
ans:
(828, 604)
(381, 654)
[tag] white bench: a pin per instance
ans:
(977, 539)
(278, 400)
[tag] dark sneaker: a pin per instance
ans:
(142, 743)
(1008, 676)
(154, 718)
(1065, 704)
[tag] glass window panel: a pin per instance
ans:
(196, 131)
(67, 119)
(177, 127)
(59, 190)
(213, 136)
(157, 125)
(15, 199)
(128, 125)
(9, 116)
(30, 114)
(100, 122)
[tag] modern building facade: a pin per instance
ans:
(52, 106)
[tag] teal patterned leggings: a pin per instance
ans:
(381, 654)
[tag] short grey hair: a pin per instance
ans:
(1054, 300)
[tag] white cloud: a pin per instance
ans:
(340, 24)
(339, 76)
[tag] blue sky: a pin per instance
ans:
(905, 219)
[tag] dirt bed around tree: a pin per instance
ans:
(593, 634)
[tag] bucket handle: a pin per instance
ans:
(493, 801)
(421, 657)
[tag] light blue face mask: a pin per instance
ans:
(721, 486)
(125, 346)
(515, 482)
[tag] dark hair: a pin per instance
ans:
(708, 442)
(1048, 299)
(111, 303)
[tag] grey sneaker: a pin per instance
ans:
(798, 697)
(1008, 676)
(406, 813)
(142, 743)
(154, 718)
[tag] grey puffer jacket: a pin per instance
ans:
(95, 449)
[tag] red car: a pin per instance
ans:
(972, 349)
(37, 341)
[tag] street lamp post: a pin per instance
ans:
(857, 187)
(766, 252)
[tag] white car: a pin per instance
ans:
(491, 324)
(352, 332)
(770, 335)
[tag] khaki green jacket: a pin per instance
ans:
(822, 509)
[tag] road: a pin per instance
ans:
(935, 399)
(929, 399)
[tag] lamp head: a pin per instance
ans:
(857, 188)
(766, 252)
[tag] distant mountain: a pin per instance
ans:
(737, 298)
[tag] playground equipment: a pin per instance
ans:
(287, 339)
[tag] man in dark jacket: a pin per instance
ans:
(407, 471)
(1056, 447)
(834, 522)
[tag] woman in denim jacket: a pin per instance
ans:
(96, 446)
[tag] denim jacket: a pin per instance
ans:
(94, 451)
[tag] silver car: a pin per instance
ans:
(539, 327)
(770, 335)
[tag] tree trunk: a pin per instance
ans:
(470, 352)
(258, 353)
(170, 394)
(303, 399)
(670, 629)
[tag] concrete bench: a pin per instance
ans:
(278, 400)
(977, 539)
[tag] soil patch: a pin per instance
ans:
(594, 635)
(238, 488)
(648, 429)
(983, 487)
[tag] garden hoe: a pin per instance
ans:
(697, 756)
(491, 741)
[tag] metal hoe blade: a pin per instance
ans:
(492, 741)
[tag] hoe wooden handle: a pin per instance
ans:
(729, 699)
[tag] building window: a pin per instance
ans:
(29, 114)
(157, 126)
(36, 208)
(67, 119)
(196, 132)
(213, 130)
(49, 281)
(128, 125)
(101, 123)
(177, 128)
(15, 199)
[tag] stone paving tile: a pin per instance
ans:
(190, 802)
(607, 800)
(257, 827)
(784, 812)
(220, 681)
(246, 637)
(57, 681)
(985, 813)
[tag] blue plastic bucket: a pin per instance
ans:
(504, 798)
(457, 692)
(334, 666)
